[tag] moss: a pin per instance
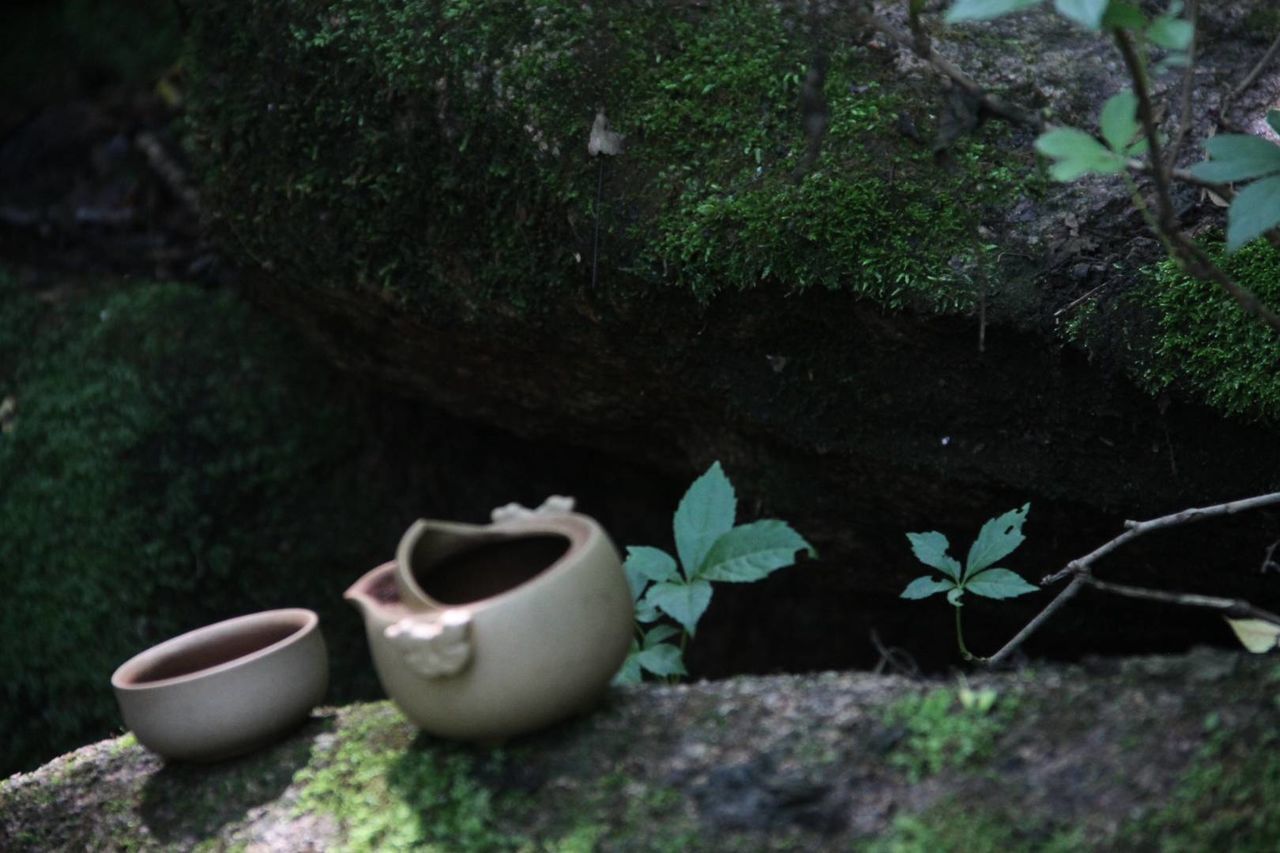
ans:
(171, 460)
(940, 731)
(1229, 799)
(437, 152)
(1206, 346)
(411, 797)
(958, 828)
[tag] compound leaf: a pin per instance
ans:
(998, 583)
(998, 538)
(1076, 153)
(1119, 120)
(706, 513)
(985, 10)
(646, 564)
(925, 586)
(1237, 157)
(630, 671)
(931, 549)
(1086, 13)
(663, 659)
(1254, 211)
(1171, 33)
(753, 551)
(657, 634)
(683, 602)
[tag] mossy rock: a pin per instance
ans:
(169, 458)
(437, 153)
(1142, 754)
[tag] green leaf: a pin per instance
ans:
(1273, 119)
(1086, 13)
(683, 602)
(1124, 16)
(925, 586)
(1238, 157)
(1254, 211)
(998, 538)
(630, 672)
(931, 549)
(646, 612)
(1171, 33)
(646, 564)
(664, 659)
(753, 551)
(998, 583)
(1119, 120)
(954, 596)
(985, 10)
(656, 635)
(705, 514)
(1077, 153)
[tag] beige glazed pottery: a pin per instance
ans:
(227, 688)
(481, 632)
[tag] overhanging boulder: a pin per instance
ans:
(864, 331)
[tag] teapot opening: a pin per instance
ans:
(489, 569)
(214, 652)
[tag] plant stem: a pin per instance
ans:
(964, 650)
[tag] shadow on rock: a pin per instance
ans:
(188, 802)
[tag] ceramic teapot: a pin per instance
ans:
(481, 632)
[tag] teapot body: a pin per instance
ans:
(485, 632)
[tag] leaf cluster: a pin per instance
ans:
(998, 538)
(711, 550)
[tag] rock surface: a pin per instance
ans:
(1121, 754)
(416, 192)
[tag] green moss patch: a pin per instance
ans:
(437, 152)
(1206, 346)
(941, 731)
(167, 459)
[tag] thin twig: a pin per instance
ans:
(1234, 608)
(1224, 110)
(1080, 572)
(1134, 529)
(1167, 218)
(1043, 616)
(1267, 562)
(1074, 302)
(1188, 80)
(923, 48)
(1194, 261)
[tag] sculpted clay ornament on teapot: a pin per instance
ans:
(481, 632)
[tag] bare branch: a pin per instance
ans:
(1233, 608)
(1188, 81)
(1167, 218)
(1184, 250)
(1134, 529)
(1031, 627)
(1224, 110)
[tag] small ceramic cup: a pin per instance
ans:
(227, 688)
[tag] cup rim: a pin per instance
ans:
(307, 621)
(581, 532)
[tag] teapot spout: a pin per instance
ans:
(376, 597)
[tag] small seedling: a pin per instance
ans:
(997, 539)
(711, 550)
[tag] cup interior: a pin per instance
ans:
(210, 647)
(489, 568)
